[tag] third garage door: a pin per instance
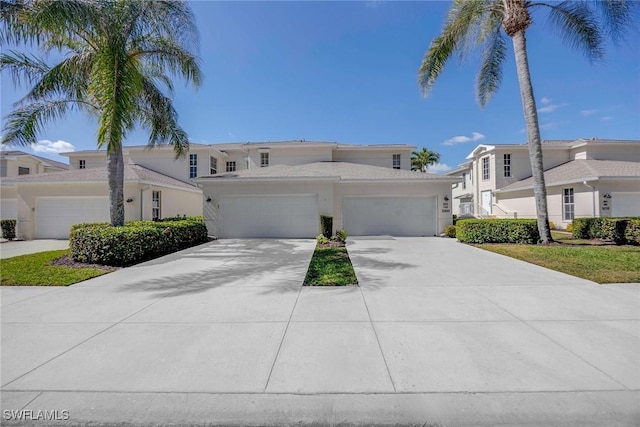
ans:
(294, 216)
(394, 216)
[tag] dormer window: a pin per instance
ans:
(193, 165)
(213, 165)
(396, 161)
(507, 165)
(485, 169)
(264, 159)
(82, 164)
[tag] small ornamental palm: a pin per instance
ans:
(118, 57)
(421, 160)
(584, 24)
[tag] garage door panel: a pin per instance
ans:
(269, 216)
(625, 204)
(55, 216)
(395, 216)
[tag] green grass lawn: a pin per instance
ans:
(330, 267)
(35, 270)
(580, 258)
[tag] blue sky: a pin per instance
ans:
(346, 72)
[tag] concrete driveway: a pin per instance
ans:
(9, 249)
(438, 333)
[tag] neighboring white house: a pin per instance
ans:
(280, 189)
(16, 163)
(584, 178)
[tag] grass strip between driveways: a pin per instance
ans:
(601, 264)
(330, 267)
(35, 270)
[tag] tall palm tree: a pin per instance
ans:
(584, 24)
(421, 160)
(118, 60)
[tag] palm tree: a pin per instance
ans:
(583, 24)
(421, 160)
(118, 60)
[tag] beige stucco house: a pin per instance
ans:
(16, 163)
(584, 178)
(280, 189)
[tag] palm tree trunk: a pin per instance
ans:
(115, 167)
(533, 135)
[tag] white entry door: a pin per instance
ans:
(56, 215)
(486, 202)
(277, 216)
(394, 216)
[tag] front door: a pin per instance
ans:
(486, 203)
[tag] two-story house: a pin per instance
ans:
(584, 178)
(16, 163)
(264, 189)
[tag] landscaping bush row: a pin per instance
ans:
(497, 231)
(618, 230)
(8, 227)
(136, 241)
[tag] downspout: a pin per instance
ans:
(593, 198)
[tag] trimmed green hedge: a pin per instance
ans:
(136, 241)
(618, 230)
(8, 227)
(498, 231)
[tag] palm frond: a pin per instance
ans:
(579, 27)
(24, 124)
(163, 52)
(463, 15)
(23, 67)
(490, 75)
(619, 17)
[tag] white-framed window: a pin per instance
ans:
(23, 170)
(213, 165)
(264, 160)
(568, 207)
(396, 161)
(155, 205)
(231, 166)
(193, 165)
(507, 165)
(82, 164)
(485, 169)
(464, 180)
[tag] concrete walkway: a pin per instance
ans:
(9, 249)
(438, 333)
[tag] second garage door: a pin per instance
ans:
(394, 216)
(56, 215)
(294, 216)
(625, 204)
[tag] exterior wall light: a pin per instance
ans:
(129, 199)
(208, 199)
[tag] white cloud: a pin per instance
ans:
(46, 146)
(550, 108)
(588, 112)
(545, 101)
(439, 168)
(461, 139)
(606, 118)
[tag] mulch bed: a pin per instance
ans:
(331, 244)
(67, 261)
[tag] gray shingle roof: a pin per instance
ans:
(132, 173)
(580, 170)
(54, 163)
(340, 170)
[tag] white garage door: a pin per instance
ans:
(56, 215)
(625, 204)
(9, 209)
(293, 216)
(395, 216)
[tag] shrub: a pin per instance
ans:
(632, 233)
(450, 230)
(8, 227)
(134, 242)
(587, 228)
(326, 225)
(340, 236)
(570, 228)
(498, 231)
(552, 225)
(614, 229)
(321, 239)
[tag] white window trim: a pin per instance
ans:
(507, 165)
(264, 155)
(156, 211)
(397, 165)
(228, 164)
(193, 165)
(82, 164)
(566, 204)
(485, 161)
(213, 165)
